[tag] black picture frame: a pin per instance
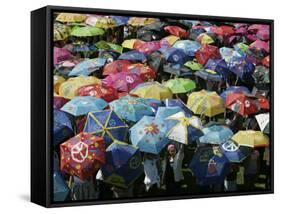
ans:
(42, 92)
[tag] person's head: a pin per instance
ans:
(172, 150)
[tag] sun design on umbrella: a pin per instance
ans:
(151, 129)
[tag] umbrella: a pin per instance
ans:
(70, 17)
(144, 71)
(106, 124)
(263, 121)
(82, 155)
(232, 89)
(243, 68)
(251, 138)
(177, 69)
(120, 20)
(57, 81)
(106, 93)
(205, 39)
(116, 66)
(87, 31)
(61, 31)
(261, 31)
(61, 54)
(109, 46)
(82, 105)
(140, 21)
(208, 74)
(176, 31)
(263, 103)
(101, 21)
(233, 152)
(149, 134)
(129, 43)
(68, 89)
(229, 53)
(123, 164)
(205, 103)
(188, 46)
(219, 66)
(223, 30)
(60, 188)
(64, 67)
(148, 47)
(175, 55)
(241, 48)
(180, 85)
(62, 126)
(59, 101)
(193, 65)
(209, 165)
(86, 67)
(216, 134)
(122, 81)
(261, 74)
(260, 45)
(266, 61)
(131, 108)
(153, 90)
(154, 104)
(241, 103)
(207, 52)
(179, 103)
(168, 41)
(133, 55)
(164, 112)
(186, 129)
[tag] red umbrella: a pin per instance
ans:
(80, 123)
(138, 43)
(266, 61)
(116, 67)
(207, 52)
(148, 47)
(82, 155)
(144, 71)
(61, 54)
(241, 103)
(259, 44)
(223, 30)
(177, 31)
(264, 103)
(107, 93)
(123, 81)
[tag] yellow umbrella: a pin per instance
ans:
(205, 103)
(58, 80)
(152, 90)
(171, 39)
(68, 88)
(71, 17)
(205, 39)
(251, 138)
(140, 21)
(129, 43)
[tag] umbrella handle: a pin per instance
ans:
(70, 181)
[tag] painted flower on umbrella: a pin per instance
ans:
(151, 129)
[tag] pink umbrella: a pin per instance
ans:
(123, 81)
(149, 47)
(61, 54)
(59, 102)
(259, 44)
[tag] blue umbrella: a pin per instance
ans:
(133, 55)
(154, 104)
(60, 189)
(189, 47)
(123, 164)
(232, 89)
(209, 165)
(107, 125)
(208, 74)
(175, 55)
(216, 134)
(179, 103)
(82, 105)
(218, 65)
(164, 112)
(62, 128)
(120, 20)
(242, 68)
(131, 108)
(177, 69)
(234, 152)
(149, 134)
(87, 67)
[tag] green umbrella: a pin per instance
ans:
(61, 31)
(193, 65)
(86, 31)
(180, 85)
(109, 46)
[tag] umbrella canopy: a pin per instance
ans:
(144, 71)
(152, 90)
(106, 93)
(149, 135)
(148, 47)
(223, 30)
(216, 134)
(107, 125)
(219, 66)
(60, 188)
(233, 152)
(116, 67)
(241, 48)
(243, 68)
(131, 108)
(263, 121)
(164, 112)
(232, 89)
(261, 74)
(205, 103)
(193, 65)
(129, 43)
(70, 17)
(59, 101)
(168, 41)
(207, 52)
(177, 69)
(266, 61)
(134, 56)
(251, 138)
(205, 39)
(140, 21)
(86, 67)
(57, 81)
(175, 55)
(260, 45)
(60, 55)
(87, 31)
(62, 127)
(82, 155)
(242, 103)
(61, 31)
(186, 129)
(123, 81)
(176, 31)
(208, 74)
(101, 21)
(82, 105)
(68, 89)
(188, 46)
(123, 164)
(109, 46)
(179, 103)
(180, 85)
(229, 53)
(209, 165)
